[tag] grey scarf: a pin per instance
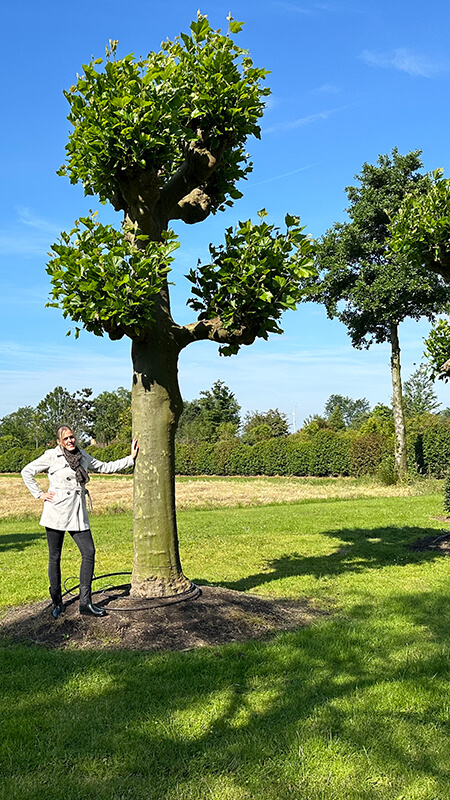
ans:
(73, 459)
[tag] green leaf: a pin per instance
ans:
(235, 26)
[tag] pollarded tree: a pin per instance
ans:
(364, 284)
(163, 138)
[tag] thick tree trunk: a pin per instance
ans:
(156, 408)
(397, 405)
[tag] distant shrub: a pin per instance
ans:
(297, 456)
(7, 442)
(386, 472)
(112, 452)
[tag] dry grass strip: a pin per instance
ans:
(115, 494)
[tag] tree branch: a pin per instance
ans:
(188, 188)
(192, 208)
(213, 330)
(441, 266)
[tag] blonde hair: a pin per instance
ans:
(61, 430)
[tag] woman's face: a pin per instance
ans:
(67, 440)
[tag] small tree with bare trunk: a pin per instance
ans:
(163, 138)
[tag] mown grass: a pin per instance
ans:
(355, 707)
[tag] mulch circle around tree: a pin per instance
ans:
(217, 616)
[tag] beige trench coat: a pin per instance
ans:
(67, 511)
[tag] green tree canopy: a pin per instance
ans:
(60, 407)
(353, 411)
(419, 396)
(259, 426)
(22, 426)
(107, 414)
(420, 230)
(365, 284)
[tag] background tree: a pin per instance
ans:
(107, 411)
(58, 407)
(259, 426)
(380, 420)
(312, 424)
(22, 426)
(353, 411)
(419, 396)
(207, 418)
(364, 284)
(163, 138)
(190, 427)
(336, 419)
(218, 406)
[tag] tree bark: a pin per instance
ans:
(397, 405)
(156, 408)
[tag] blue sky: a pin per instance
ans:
(349, 80)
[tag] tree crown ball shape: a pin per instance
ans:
(163, 138)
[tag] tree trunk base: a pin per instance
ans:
(162, 587)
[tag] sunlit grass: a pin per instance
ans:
(114, 493)
(354, 707)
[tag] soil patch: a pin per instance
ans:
(441, 542)
(217, 616)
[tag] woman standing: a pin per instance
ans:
(65, 509)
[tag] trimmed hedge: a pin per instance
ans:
(436, 451)
(326, 453)
(366, 453)
(329, 454)
(14, 459)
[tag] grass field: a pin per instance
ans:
(354, 707)
(113, 493)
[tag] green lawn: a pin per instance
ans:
(355, 706)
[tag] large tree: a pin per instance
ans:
(364, 284)
(60, 407)
(163, 138)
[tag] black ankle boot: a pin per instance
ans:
(86, 604)
(58, 605)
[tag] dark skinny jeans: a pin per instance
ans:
(85, 544)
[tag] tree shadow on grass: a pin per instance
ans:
(360, 549)
(328, 711)
(17, 541)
